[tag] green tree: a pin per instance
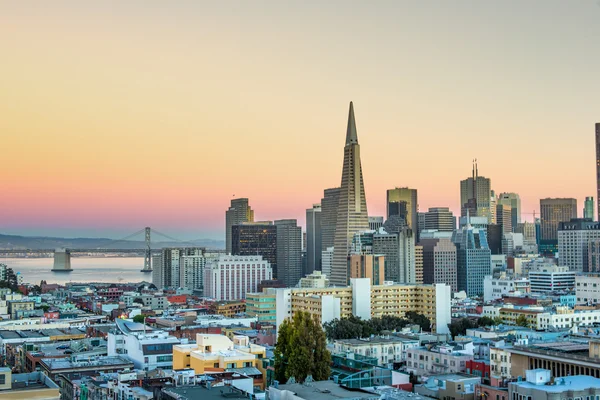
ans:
(301, 350)
(522, 321)
(486, 321)
(459, 327)
(139, 318)
(419, 319)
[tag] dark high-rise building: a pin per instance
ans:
(289, 251)
(440, 219)
(256, 239)
(598, 168)
(439, 262)
(475, 195)
(238, 213)
(329, 208)
(404, 202)
(552, 212)
(494, 237)
(352, 216)
(313, 239)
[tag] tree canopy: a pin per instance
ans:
(301, 350)
(11, 282)
(353, 327)
(522, 321)
(139, 318)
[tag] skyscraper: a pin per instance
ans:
(403, 202)
(552, 212)
(329, 209)
(514, 201)
(475, 195)
(439, 219)
(313, 239)
(256, 239)
(375, 223)
(439, 262)
(588, 208)
(289, 251)
(352, 213)
(238, 213)
(473, 259)
(504, 217)
(598, 168)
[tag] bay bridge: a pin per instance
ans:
(62, 256)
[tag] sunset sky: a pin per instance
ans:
(117, 115)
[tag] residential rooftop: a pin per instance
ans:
(568, 383)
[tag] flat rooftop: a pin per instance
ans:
(200, 392)
(62, 363)
(326, 390)
(576, 382)
(566, 347)
(376, 340)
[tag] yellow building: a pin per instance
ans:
(218, 353)
(228, 308)
(509, 316)
(419, 264)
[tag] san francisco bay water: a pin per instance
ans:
(85, 269)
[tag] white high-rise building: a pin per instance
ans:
(191, 270)
(573, 243)
(327, 260)
(231, 277)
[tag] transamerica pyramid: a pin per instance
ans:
(352, 209)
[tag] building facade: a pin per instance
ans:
(403, 202)
(238, 213)
(313, 239)
(473, 259)
(475, 195)
(553, 212)
(440, 219)
(289, 251)
(352, 213)
(256, 239)
(231, 277)
(440, 262)
(573, 243)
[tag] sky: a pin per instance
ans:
(119, 115)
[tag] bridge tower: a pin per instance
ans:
(62, 260)
(148, 255)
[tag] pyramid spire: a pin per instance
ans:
(351, 135)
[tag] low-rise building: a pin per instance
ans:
(52, 367)
(587, 289)
(495, 288)
(449, 386)
(565, 317)
(32, 386)
(387, 350)
(438, 360)
(547, 278)
(263, 307)
(146, 349)
(316, 280)
(539, 385)
(217, 353)
(228, 308)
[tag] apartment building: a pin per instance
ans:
(587, 289)
(325, 304)
(217, 353)
(387, 350)
(446, 359)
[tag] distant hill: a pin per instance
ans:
(15, 242)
